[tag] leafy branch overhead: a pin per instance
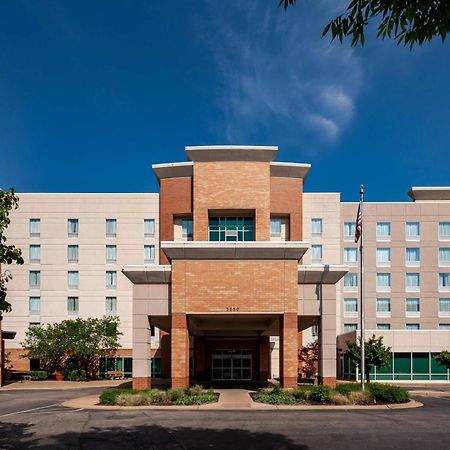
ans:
(409, 22)
(8, 253)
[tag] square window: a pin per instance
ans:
(383, 282)
(35, 227)
(444, 256)
(383, 231)
(412, 231)
(444, 230)
(383, 256)
(35, 253)
(316, 227)
(350, 281)
(349, 231)
(350, 307)
(35, 305)
(412, 306)
(444, 307)
(111, 227)
(412, 282)
(383, 307)
(412, 256)
(72, 227)
(149, 227)
(444, 281)
(350, 255)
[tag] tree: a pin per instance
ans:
(308, 356)
(8, 253)
(80, 340)
(409, 22)
(443, 358)
(376, 354)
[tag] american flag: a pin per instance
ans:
(358, 228)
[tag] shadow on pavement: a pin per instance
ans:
(13, 436)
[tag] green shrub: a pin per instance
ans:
(302, 393)
(276, 396)
(386, 393)
(320, 394)
(37, 375)
(75, 375)
(345, 388)
(360, 397)
(109, 396)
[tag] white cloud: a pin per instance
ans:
(278, 78)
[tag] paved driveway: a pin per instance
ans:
(35, 419)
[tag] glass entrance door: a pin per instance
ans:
(232, 365)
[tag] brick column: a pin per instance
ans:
(264, 358)
(180, 350)
(141, 352)
(288, 349)
(327, 335)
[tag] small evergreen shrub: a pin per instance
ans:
(345, 388)
(76, 375)
(386, 393)
(36, 375)
(320, 394)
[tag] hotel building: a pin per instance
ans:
(227, 271)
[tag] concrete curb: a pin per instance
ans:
(60, 385)
(91, 402)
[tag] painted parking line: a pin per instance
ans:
(30, 410)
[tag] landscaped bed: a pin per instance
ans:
(343, 394)
(195, 395)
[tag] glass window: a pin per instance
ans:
(149, 227)
(349, 230)
(383, 326)
(72, 279)
(444, 281)
(315, 330)
(316, 253)
(35, 305)
(275, 227)
(412, 281)
(35, 253)
(412, 230)
(351, 280)
(111, 306)
(383, 306)
(72, 305)
(149, 254)
(383, 230)
(412, 305)
(350, 327)
(412, 326)
(444, 256)
(350, 307)
(35, 279)
(111, 253)
(350, 255)
(444, 326)
(111, 279)
(412, 256)
(72, 227)
(35, 227)
(444, 307)
(383, 281)
(111, 227)
(316, 227)
(72, 253)
(34, 324)
(383, 256)
(231, 229)
(187, 229)
(444, 230)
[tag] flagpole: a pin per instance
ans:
(361, 285)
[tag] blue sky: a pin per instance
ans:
(93, 92)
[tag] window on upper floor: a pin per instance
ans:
(412, 282)
(72, 305)
(72, 279)
(383, 282)
(275, 227)
(35, 305)
(412, 256)
(111, 254)
(111, 279)
(444, 256)
(350, 307)
(444, 307)
(412, 326)
(35, 227)
(383, 256)
(35, 279)
(383, 307)
(444, 281)
(412, 231)
(350, 255)
(316, 227)
(412, 307)
(383, 326)
(111, 306)
(316, 253)
(149, 254)
(149, 227)
(350, 327)
(349, 231)
(383, 231)
(187, 229)
(72, 253)
(72, 227)
(444, 230)
(315, 330)
(444, 326)
(35, 253)
(350, 281)
(111, 227)
(229, 228)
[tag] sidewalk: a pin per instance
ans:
(61, 385)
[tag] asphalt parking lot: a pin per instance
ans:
(36, 419)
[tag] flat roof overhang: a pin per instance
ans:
(255, 250)
(148, 274)
(321, 274)
(289, 170)
(435, 193)
(173, 170)
(8, 334)
(205, 153)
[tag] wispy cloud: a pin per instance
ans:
(279, 80)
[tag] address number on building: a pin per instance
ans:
(232, 308)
